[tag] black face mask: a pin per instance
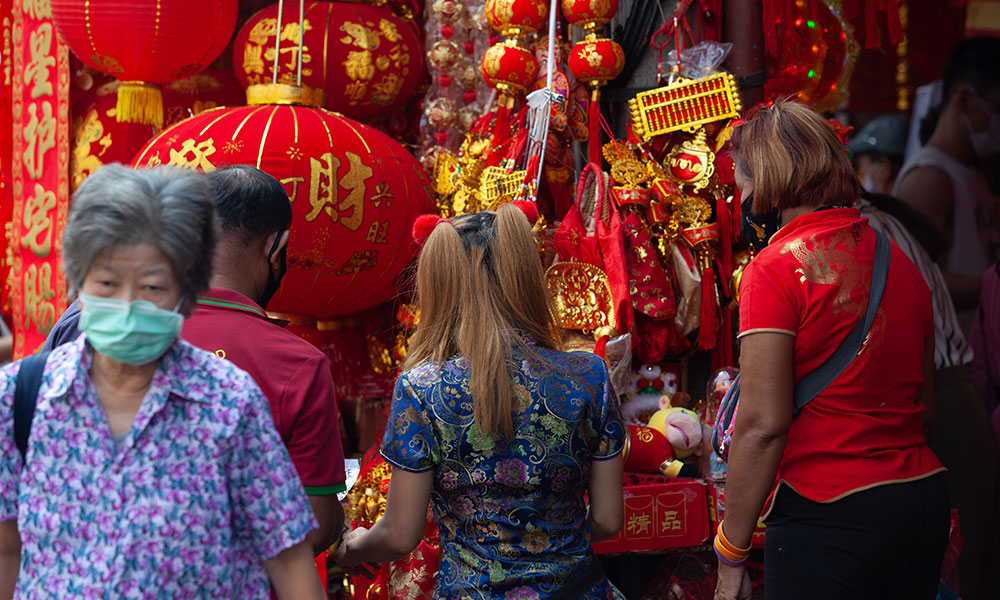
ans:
(274, 281)
(758, 229)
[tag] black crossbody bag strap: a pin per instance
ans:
(815, 382)
(29, 381)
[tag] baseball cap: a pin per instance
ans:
(885, 135)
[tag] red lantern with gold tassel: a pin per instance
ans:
(595, 60)
(508, 67)
(515, 18)
(144, 44)
(355, 193)
(590, 15)
(368, 61)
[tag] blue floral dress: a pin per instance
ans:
(511, 515)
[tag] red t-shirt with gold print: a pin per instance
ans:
(812, 282)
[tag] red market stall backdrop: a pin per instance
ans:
(373, 113)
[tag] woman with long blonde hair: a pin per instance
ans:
(496, 426)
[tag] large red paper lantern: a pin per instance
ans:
(367, 60)
(509, 68)
(145, 43)
(589, 14)
(596, 61)
(194, 95)
(99, 138)
(355, 194)
(515, 18)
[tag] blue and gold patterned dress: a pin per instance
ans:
(511, 515)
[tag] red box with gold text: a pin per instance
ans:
(717, 511)
(660, 516)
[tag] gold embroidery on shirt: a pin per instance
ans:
(876, 335)
(826, 263)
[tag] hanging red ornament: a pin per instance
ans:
(590, 15)
(366, 59)
(515, 18)
(595, 61)
(509, 68)
(145, 44)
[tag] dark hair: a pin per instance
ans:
(974, 61)
(249, 202)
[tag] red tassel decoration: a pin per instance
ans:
(594, 128)
(895, 25)
(501, 127)
(709, 311)
(600, 347)
(770, 28)
(871, 24)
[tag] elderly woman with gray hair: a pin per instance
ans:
(153, 469)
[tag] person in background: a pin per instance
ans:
(961, 435)
(499, 429)
(944, 180)
(152, 467)
(229, 319)
(856, 453)
(878, 153)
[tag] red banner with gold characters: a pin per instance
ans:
(6, 150)
(40, 173)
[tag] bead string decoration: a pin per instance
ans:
(457, 91)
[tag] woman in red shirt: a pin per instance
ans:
(855, 502)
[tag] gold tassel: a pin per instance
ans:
(140, 102)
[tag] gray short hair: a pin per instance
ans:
(167, 207)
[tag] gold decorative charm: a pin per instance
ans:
(685, 104)
(582, 296)
(498, 185)
(691, 162)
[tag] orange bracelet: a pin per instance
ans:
(724, 552)
(732, 548)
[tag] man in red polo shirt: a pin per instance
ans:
(254, 215)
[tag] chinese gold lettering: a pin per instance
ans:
(39, 137)
(37, 70)
(253, 61)
(378, 232)
(359, 66)
(671, 522)
(323, 188)
(38, 222)
(38, 295)
(638, 524)
(193, 154)
(360, 36)
(38, 9)
(382, 193)
(295, 181)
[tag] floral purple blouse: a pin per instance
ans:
(511, 515)
(201, 491)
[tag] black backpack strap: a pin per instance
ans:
(814, 383)
(29, 381)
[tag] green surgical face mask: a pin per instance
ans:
(134, 333)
